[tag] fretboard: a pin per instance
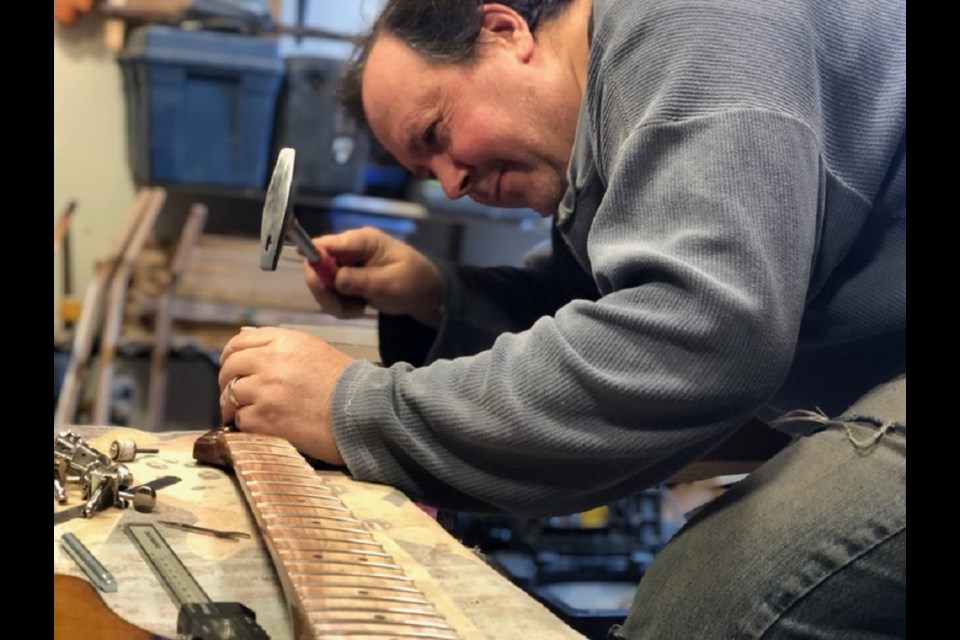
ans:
(337, 578)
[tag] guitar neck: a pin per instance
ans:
(337, 578)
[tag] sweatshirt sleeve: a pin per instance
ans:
(701, 250)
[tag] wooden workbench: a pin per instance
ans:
(476, 600)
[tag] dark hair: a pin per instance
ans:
(439, 30)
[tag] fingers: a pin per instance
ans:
(246, 418)
(248, 338)
(280, 382)
(330, 298)
(355, 246)
(238, 393)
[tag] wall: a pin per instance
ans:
(338, 16)
(89, 148)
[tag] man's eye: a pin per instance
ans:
(430, 135)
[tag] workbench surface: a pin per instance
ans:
(476, 600)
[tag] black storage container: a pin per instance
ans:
(332, 148)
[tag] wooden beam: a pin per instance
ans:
(157, 398)
(90, 316)
(113, 319)
(63, 224)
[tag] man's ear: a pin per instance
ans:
(503, 25)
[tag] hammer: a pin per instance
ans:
(278, 224)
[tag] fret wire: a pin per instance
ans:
(312, 496)
(364, 552)
(254, 481)
(307, 586)
(398, 599)
(323, 527)
(430, 624)
(250, 466)
(310, 515)
(276, 477)
(307, 478)
(333, 572)
(287, 538)
(283, 455)
(300, 562)
(413, 633)
(329, 507)
(369, 609)
(382, 610)
(275, 450)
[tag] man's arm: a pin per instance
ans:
(702, 250)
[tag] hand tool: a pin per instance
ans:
(125, 450)
(143, 497)
(97, 573)
(199, 617)
(216, 533)
(279, 224)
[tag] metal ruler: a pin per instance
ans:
(199, 617)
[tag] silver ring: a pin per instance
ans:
(231, 394)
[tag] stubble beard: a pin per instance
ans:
(552, 197)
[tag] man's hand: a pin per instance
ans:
(390, 275)
(282, 385)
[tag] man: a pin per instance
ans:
(727, 180)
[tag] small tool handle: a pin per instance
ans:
(319, 260)
(322, 262)
(326, 267)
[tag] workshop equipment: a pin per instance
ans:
(278, 224)
(125, 450)
(199, 616)
(104, 482)
(115, 305)
(453, 579)
(332, 147)
(97, 573)
(163, 322)
(89, 323)
(200, 105)
(233, 536)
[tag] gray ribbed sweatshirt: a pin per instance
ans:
(732, 244)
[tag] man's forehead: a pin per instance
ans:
(390, 65)
(398, 91)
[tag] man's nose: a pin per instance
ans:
(453, 176)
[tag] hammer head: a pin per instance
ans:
(277, 212)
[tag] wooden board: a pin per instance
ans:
(89, 322)
(477, 600)
(226, 269)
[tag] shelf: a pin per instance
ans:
(433, 207)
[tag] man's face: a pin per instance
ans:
(490, 129)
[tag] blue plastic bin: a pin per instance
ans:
(400, 228)
(200, 106)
